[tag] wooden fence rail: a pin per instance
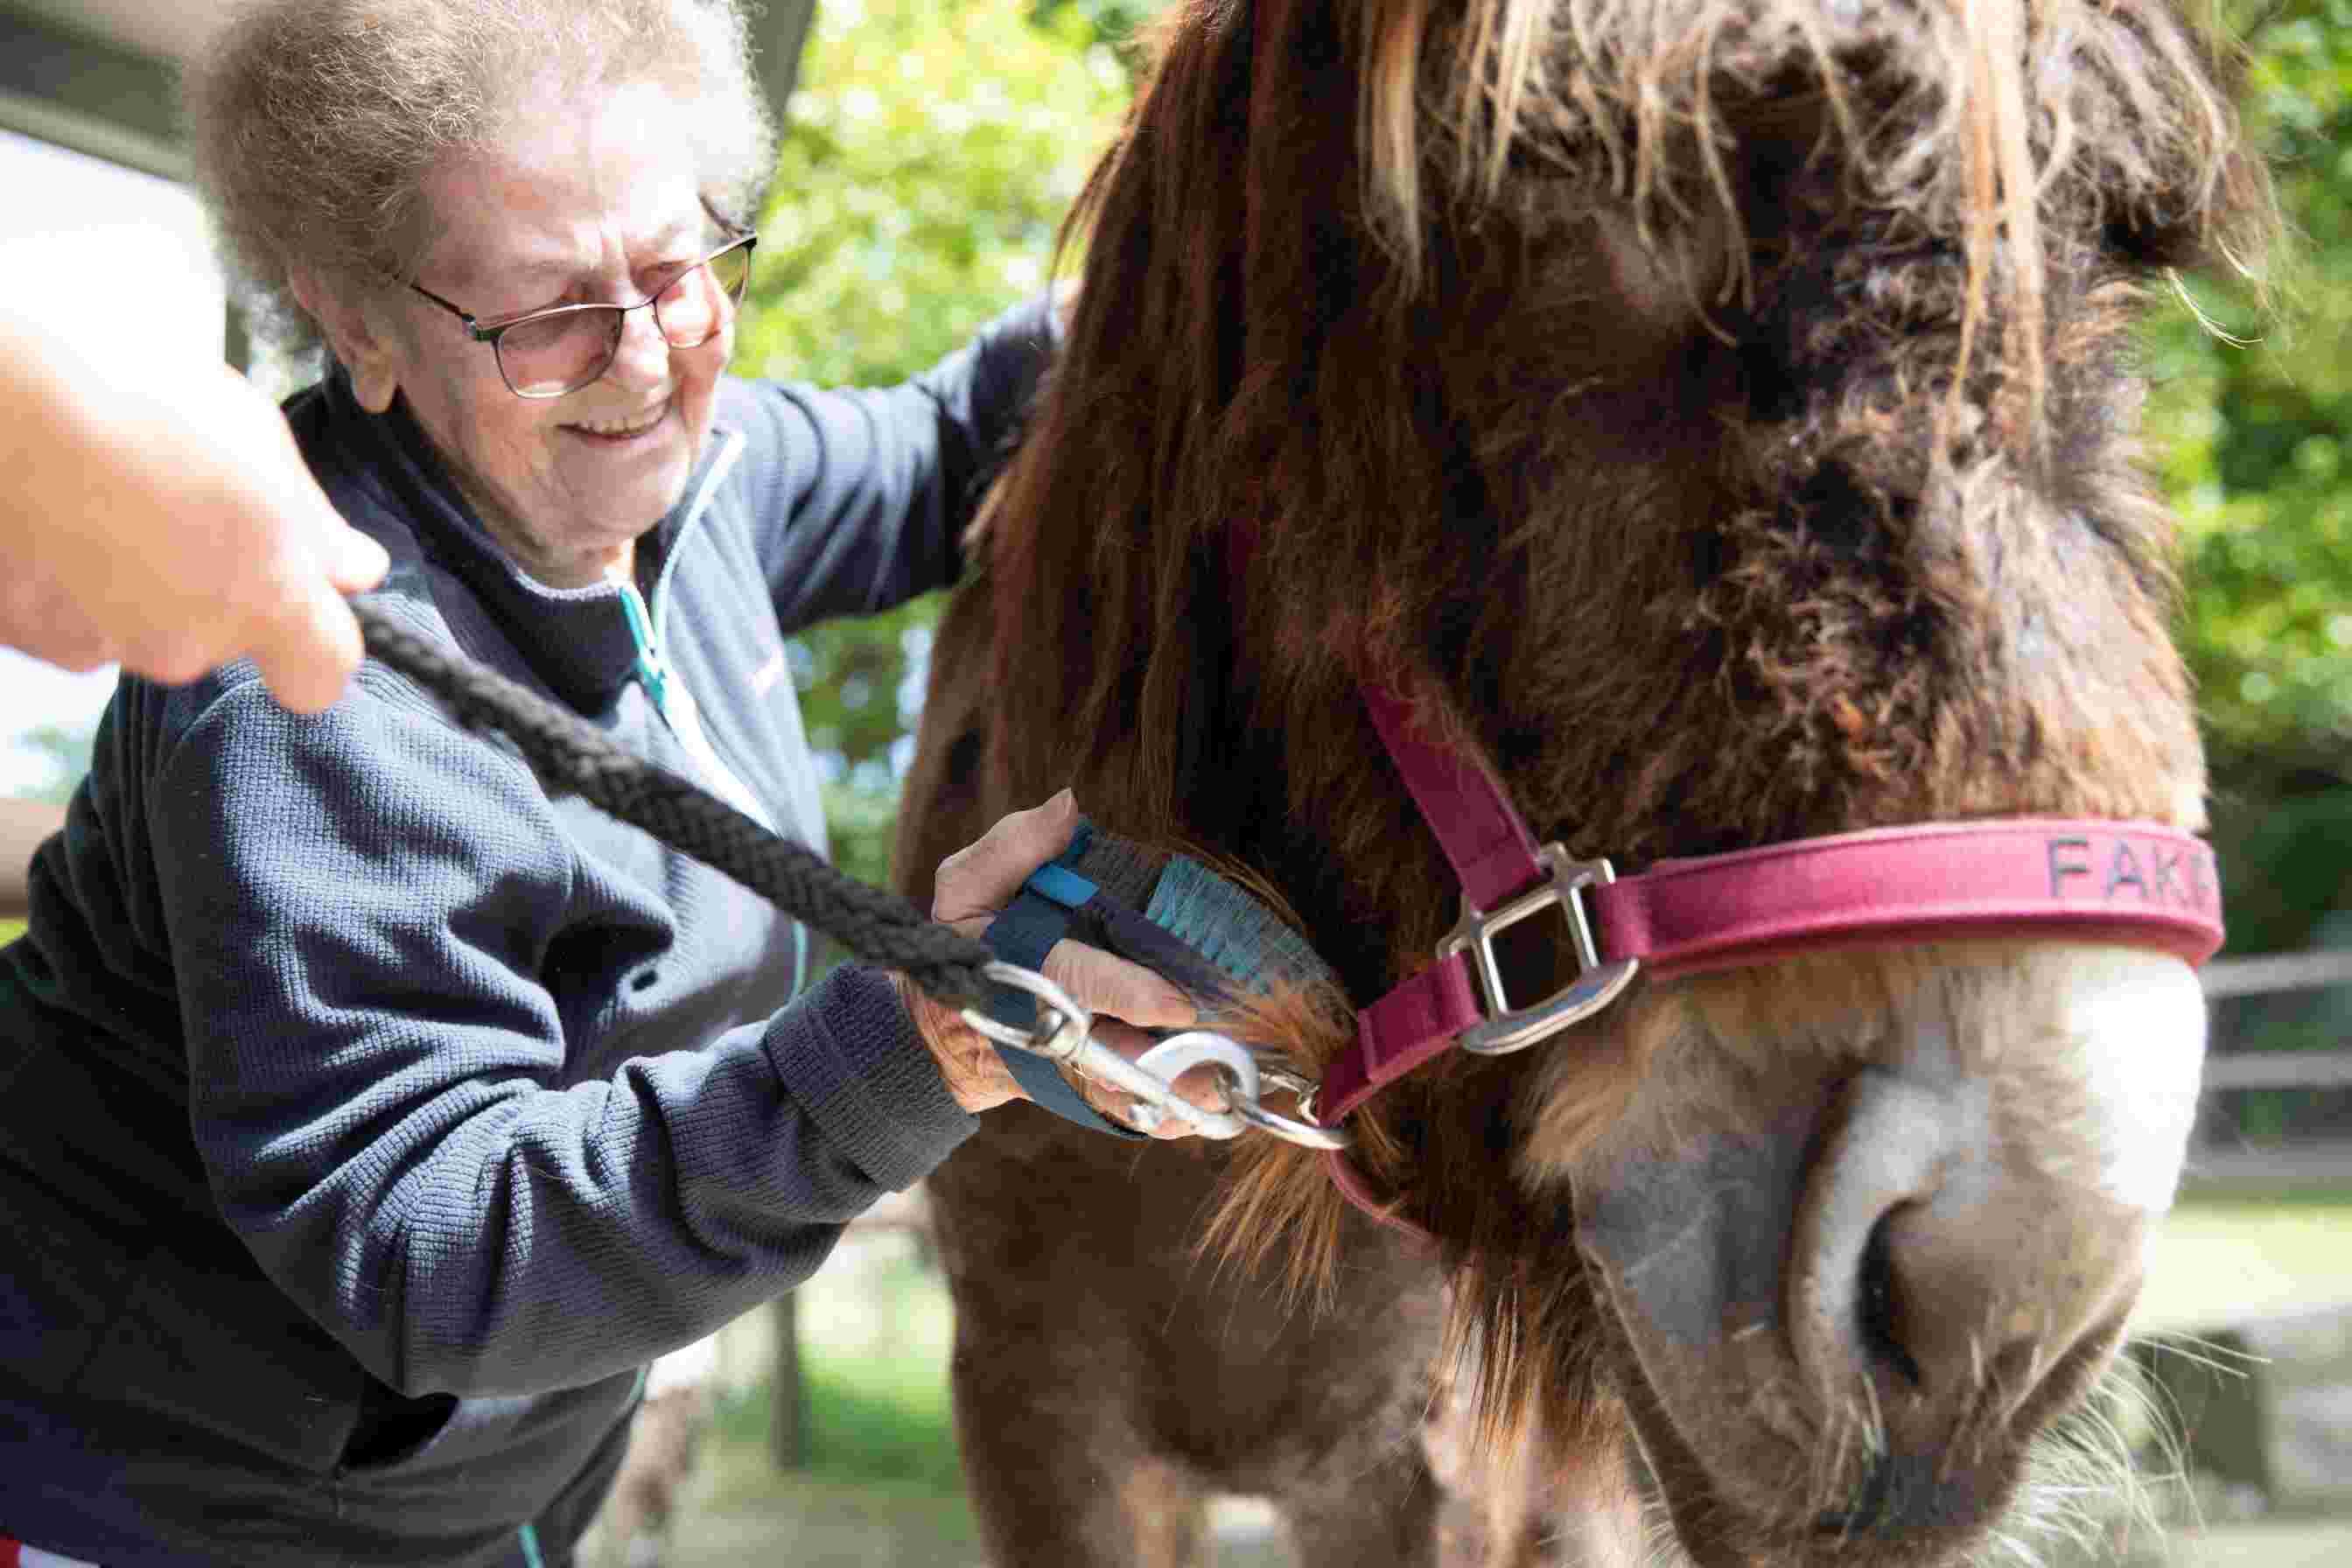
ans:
(2277, 972)
(2274, 973)
(2278, 1069)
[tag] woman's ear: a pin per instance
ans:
(362, 343)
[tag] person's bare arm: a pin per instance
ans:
(158, 514)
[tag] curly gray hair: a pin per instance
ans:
(315, 122)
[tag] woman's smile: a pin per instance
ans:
(622, 429)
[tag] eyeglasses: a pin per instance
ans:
(550, 352)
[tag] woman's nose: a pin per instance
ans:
(642, 356)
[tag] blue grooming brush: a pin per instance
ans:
(1169, 913)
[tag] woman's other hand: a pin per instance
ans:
(161, 517)
(1126, 998)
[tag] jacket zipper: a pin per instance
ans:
(677, 705)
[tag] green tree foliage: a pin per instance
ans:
(2255, 438)
(1114, 22)
(2252, 429)
(929, 156)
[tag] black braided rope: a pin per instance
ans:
(569, 754)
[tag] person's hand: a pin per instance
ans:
(161, 516)
(1126, 998)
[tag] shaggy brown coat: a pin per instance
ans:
(1720, 415)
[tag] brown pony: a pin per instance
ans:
(1719, 415)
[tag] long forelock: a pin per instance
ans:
(1972, 116)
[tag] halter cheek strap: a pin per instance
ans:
(2134, 883)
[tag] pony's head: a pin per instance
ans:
(1721, 413)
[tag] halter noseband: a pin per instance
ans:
(2135, 883)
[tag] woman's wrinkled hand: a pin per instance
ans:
(1126, 998)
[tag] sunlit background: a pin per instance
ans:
(932, 148)
(124, 257)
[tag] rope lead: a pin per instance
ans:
(571, 755)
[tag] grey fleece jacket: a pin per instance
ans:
(368, 1117)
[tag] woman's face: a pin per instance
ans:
(585, 202)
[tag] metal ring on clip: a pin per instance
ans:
(1065, 1037)
(1302, 1130)
(1306, 1134)
(1178, 1054)
(1297, 1085)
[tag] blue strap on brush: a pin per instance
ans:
(1168, 913)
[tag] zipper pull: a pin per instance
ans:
(675, 704)
(650, 669)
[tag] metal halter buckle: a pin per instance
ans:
(1596, 984)
(1150, 1077)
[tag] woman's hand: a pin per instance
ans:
(163, 517)
(1126, 998)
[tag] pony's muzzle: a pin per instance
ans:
(1936, 1279)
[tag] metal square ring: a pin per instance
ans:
(1596, 984)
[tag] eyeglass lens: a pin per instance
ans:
(562, 352)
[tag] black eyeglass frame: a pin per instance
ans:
(743, 241)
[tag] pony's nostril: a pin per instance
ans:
(1878, 1305)
(1852, 1279)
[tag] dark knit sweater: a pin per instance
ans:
(368, 1117)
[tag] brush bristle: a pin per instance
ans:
(1231, 928)
(1124, 869)
(1249, 942)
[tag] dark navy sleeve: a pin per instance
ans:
(359, 905)
(860, 496)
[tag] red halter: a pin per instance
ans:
(2136, 883)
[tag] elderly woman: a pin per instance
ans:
(372, 1117)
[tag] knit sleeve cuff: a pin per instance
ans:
(849, 1055)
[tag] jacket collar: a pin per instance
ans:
(577, 640)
